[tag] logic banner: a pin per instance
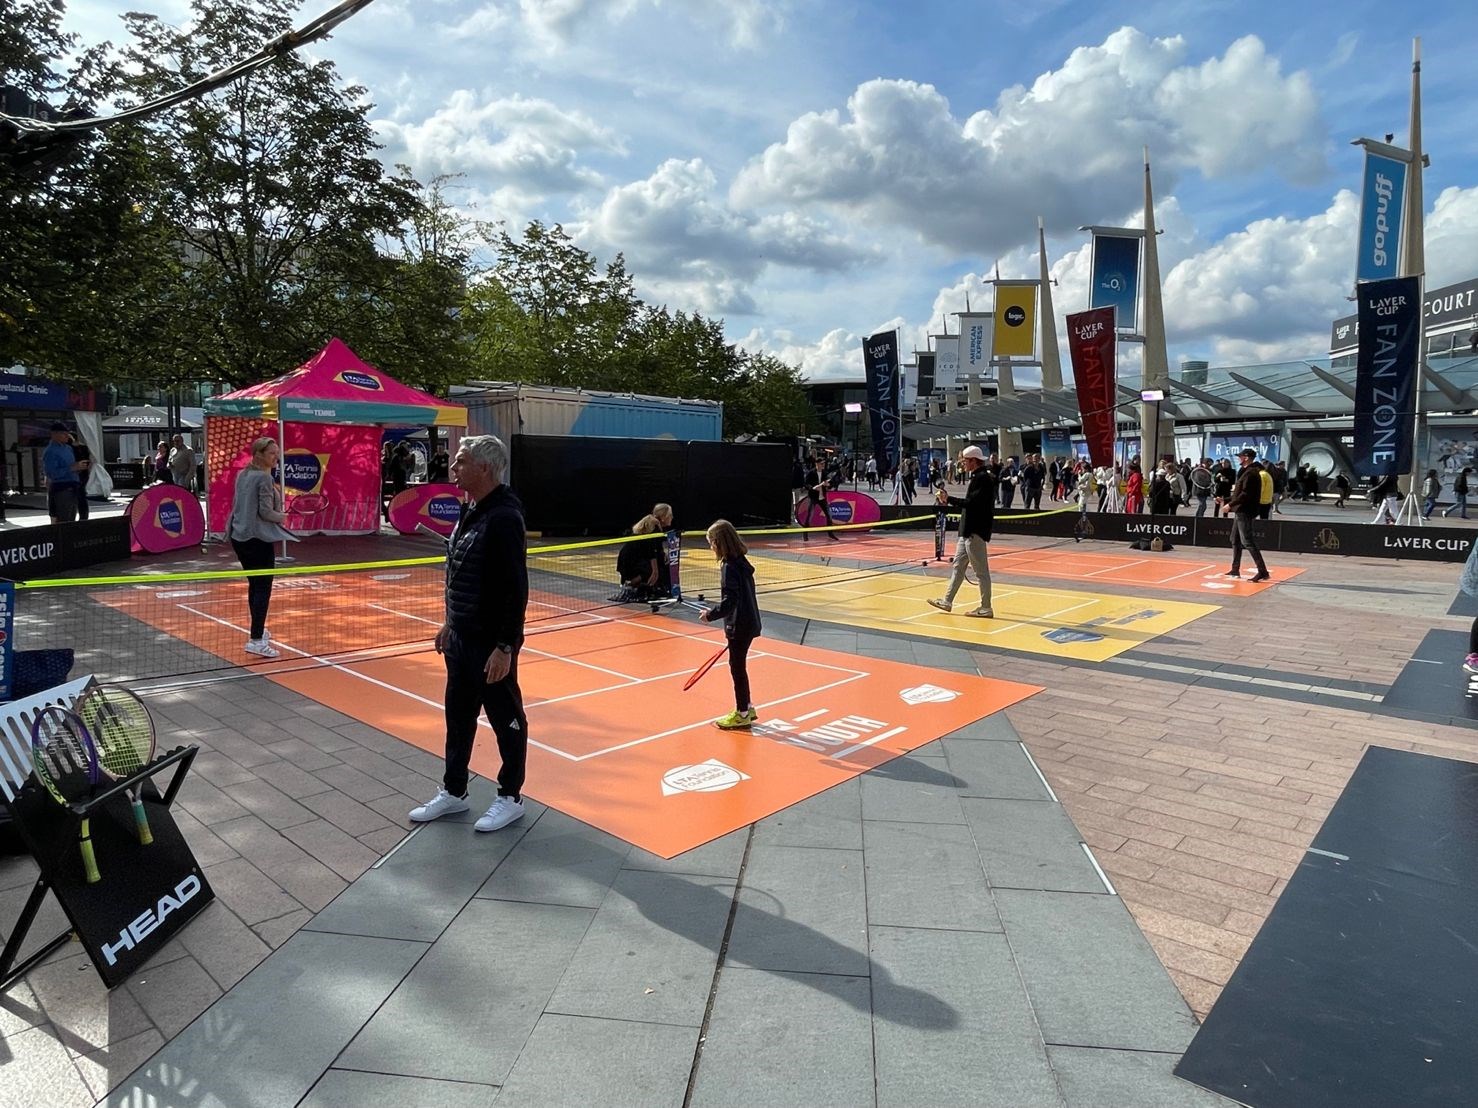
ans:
(1385, 375)
(1381, 201)
(1016, 319)
(1091, 345)
(1115, 280)
(880, 357)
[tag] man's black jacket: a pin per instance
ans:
(487, 579)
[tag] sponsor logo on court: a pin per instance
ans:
(1066, 635)
(711, 776)
(928, 694)
(179, 594)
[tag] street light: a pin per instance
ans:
(854, 408)
(1154, 396)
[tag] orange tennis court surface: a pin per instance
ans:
(613, 739)
(1060, 562)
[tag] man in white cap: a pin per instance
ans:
(977, 514)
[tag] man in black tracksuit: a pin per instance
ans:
(977, 515)
(487, 592)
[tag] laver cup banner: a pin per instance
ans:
(880, 355)
(1385, 375)
(1090, 343)
(165, 517)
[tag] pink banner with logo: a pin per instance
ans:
(165, 517)
(435, 506)
(331, 474)
(842, 506)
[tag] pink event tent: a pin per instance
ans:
(327, 415)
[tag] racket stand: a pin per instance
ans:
(52, 840)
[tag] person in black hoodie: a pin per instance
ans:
(487, 594)
(740, 611)
(977, 515)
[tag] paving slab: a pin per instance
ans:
(1094, 1078)
(994, 768)
(813, 1045)
(995, 726)
(466, 1010)
(559, 861)
(913, 790)
(354, 1089)
(952, 1024)
(253, 1048)
(828, 819)
(650, 952)
(37, 1071)
(802, 909)
(1092, 977)
(926, 875)
(1030, 844)
(618, 1062)
(720, 858)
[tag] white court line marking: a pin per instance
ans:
(1115, 569)
(413, 833)
(1040, 774)
(869, 742)
(811, 715)
(1328, 854)
(363, 677)
(1047, 615)
(1107, 884)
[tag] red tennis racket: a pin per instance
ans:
(307, 503)
(705, 667)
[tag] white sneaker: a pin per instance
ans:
(942, 605)
(982, 613)
(503, 812)
(442, 804)
(261, 646)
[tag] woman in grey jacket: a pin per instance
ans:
(256, 523)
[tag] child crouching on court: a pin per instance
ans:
(740, 611)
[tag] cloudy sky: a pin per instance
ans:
(813, 171)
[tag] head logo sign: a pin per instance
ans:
(711, 776)
(303, 470)
(367, 381)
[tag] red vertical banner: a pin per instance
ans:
(1091, 344)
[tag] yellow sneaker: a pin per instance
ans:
(737, 720)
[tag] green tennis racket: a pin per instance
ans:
(66, 763)
(123, 731)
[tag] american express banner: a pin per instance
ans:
(975, 344)
(1091, 345)
(1385, 375)
(880, 357)
(1381, 200)
(1016, 319)
(1115, 280)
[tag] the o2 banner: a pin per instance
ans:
(1091, 345)
(1115, 280)
(164, 517)
(1385, 375)
(880, 356)
(433, 506)
(841, 507)
(1382, 199)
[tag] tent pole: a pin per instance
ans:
(282, 474)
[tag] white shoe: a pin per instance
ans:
(982, 613)
(261, 646)
(503, 812)
(442, 804)
(942, 605)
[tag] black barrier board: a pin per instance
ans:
(145, 893)
(28, 552)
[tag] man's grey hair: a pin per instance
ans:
(489, 450)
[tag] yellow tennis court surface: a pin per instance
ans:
(1061, 622)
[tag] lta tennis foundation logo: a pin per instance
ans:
(928, 694)
(171, 518)
(303, 470)
(711, 776)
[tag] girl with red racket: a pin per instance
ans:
(740, 611)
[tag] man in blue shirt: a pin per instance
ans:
(63, 476)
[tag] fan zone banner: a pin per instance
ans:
(880, 357)
(946, 363)
(1390, 315)
(1091, 345)
(1115, 281)
(1381, 203)
(1016, 319)
(975, 344)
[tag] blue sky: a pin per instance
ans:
(815, 171)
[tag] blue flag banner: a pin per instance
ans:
(880, 356)
(1381, 204)
(1115, 281)
(1390, 314)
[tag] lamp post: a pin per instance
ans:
(1153, 396)
(854, 408)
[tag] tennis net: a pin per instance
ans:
(154, 626)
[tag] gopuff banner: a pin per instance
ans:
(1382, 198)
(1091, 345)
(1016, 319)
(330, 473)
(880, 356)
(1115, 280)
(1385, 375)
(975, 344)
(164, 517)
(434, 506)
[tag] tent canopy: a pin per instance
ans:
(334, 386)
(146, 417)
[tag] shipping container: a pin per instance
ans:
(506, 410)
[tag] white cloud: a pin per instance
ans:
(552, 24)
(527, 146)
(683, 240)
(1060, 149)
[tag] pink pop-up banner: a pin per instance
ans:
(435, 506)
